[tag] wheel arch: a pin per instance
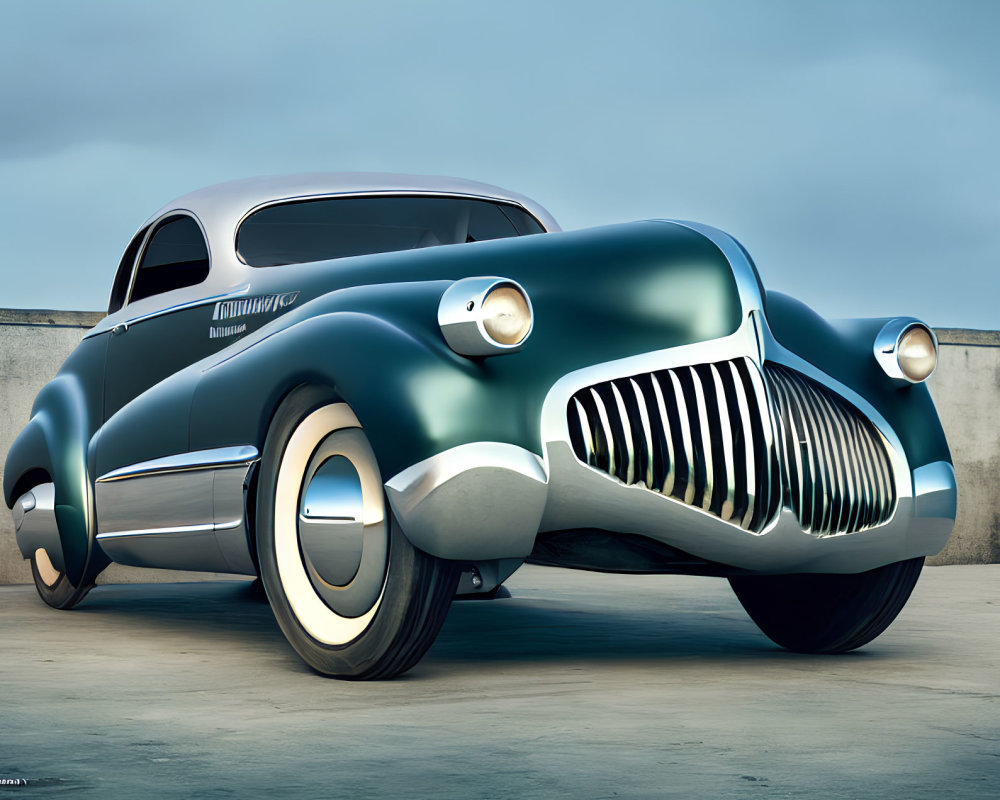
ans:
(388, 375)
(55, 445)
(28, 462)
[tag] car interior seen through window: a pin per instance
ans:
(175, 257)
(318, 230)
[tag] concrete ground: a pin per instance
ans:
(578, 686)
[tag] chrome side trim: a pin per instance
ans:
(183, 547)
(179, 512)
(101, 537)
(127, 322)
(197, 459)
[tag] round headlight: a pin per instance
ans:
(916, 354)
(485, 316)
(506, 316)
(907, 350)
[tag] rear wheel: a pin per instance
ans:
(53, 586)
(824, 613)
(352, 595)
(36, 510)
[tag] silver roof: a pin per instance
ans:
(222, 207)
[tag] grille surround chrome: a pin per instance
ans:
(682, 432)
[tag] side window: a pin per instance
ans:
(124, 274)
(175, 257)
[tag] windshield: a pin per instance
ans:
(317, 230)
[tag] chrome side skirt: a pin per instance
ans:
(35, 524)
(180, 512)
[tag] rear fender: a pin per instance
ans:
(55, 442)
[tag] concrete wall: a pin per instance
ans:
(33, 345)
(966, 387)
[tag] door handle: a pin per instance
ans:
(120, 328)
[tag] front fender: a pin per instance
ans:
(843, 349)
(386, 358)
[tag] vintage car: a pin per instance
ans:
(375, 391)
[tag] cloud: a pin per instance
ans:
(848, 145)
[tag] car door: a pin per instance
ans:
(168, 327)
(154, 506)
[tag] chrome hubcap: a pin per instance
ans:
(331, 536)
(344, 558)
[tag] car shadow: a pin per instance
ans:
(516, 629)
(217, 609)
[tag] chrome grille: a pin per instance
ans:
(837, 473)
(701, 434)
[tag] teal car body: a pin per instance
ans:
(666, 413)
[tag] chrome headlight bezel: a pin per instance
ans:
(887, 346)
(461, 316)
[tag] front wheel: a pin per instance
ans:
(351, 594)
(822, 613)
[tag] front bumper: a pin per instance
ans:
(861, 506)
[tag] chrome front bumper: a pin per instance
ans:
(488, 500)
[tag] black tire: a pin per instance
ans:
(822, 613)
(54, 587)
(414, 590)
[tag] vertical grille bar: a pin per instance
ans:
(668, 432)
(686, 436)
(647, 431)
(750, 458)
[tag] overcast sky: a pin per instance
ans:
(854, 148)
